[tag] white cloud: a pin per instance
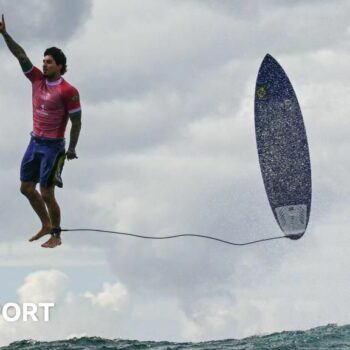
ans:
(43, 286)
(113, 296)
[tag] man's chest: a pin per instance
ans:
(48, 99)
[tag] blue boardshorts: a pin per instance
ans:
(43, 161)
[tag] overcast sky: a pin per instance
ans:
(168, 147)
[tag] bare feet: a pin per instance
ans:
(45, 230)
(53, 242)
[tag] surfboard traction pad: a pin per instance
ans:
(292, 219)
(282, 148)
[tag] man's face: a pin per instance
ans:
(50, 68)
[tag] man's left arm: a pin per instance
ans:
(75, 118)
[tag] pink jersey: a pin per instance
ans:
(53, 102)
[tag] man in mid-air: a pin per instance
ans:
(54, 102)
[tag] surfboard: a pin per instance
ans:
(282, 149)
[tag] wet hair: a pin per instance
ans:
(58, 56)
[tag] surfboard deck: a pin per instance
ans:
(282, 148)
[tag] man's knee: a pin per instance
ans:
(27, 189)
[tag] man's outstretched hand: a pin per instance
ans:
(2, 25)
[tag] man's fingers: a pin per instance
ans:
(71, 155)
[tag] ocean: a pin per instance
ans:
(320, 338)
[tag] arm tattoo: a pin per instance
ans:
(16, 49)
(74, 132)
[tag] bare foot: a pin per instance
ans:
(53, 242)
(45, 230)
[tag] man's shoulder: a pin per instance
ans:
(68, 87)
(33, 73)
(70, 93)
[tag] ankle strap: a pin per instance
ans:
(56, 231)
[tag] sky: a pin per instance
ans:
(168, 147)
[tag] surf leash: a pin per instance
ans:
(174, 236)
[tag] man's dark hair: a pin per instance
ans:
(59, 57)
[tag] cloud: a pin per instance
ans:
(169, 46)
(112, 296)
(43, 286)
(19, 254)
(72, 315)
(35, 22)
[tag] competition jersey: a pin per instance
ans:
(53, 102)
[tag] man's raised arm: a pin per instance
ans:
(16, 50)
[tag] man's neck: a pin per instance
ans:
(54, 78)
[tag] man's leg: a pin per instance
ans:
(37, 203)
(48, 196)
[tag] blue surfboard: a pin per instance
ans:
(282, 149)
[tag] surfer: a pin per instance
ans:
(54, 102)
